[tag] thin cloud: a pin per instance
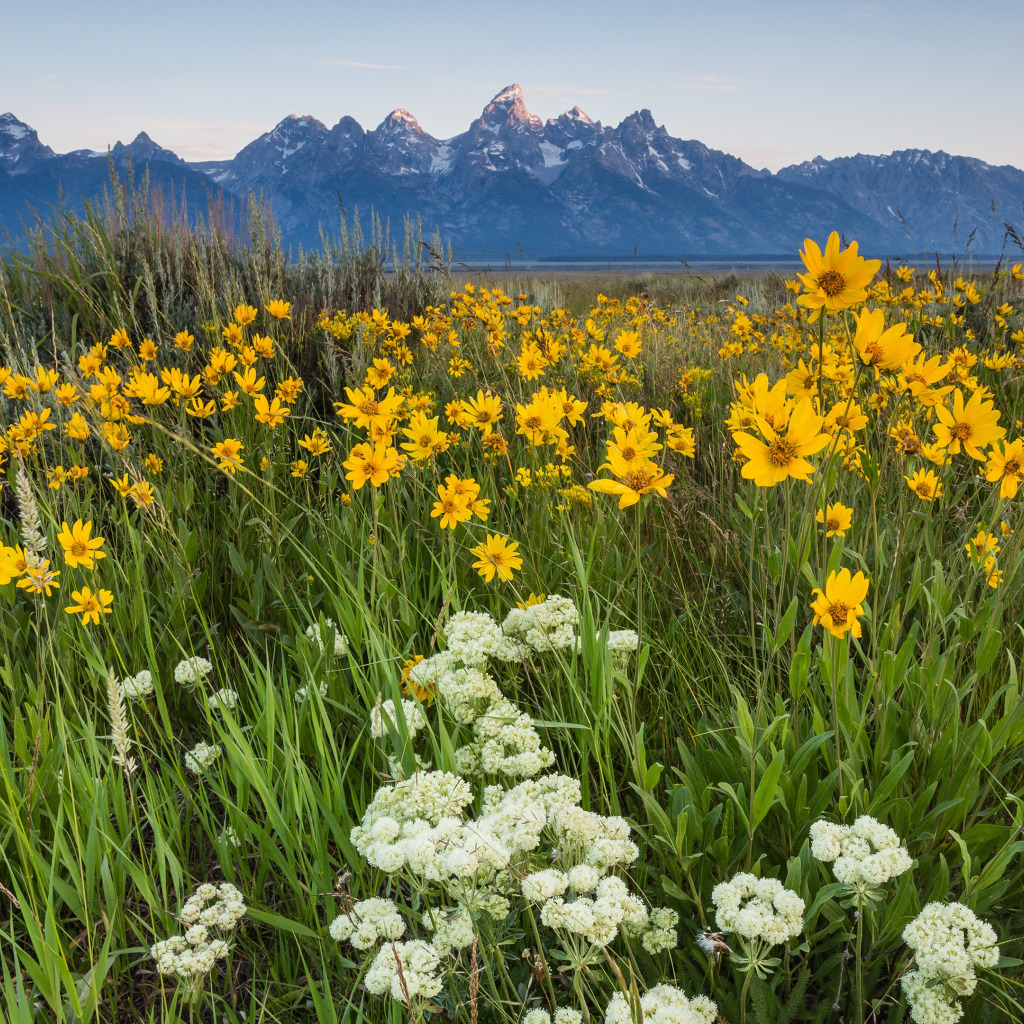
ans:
(712, 83)
(864, 11)
(337, 62)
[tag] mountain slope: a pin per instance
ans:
(515, 185)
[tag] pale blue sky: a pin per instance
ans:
(773, 83)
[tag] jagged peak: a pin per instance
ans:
(508, 106)
(577, 115)
(642, 118)
(400, 118)
(510, 94)
(305, 122)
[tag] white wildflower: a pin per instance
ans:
(865, 854)
(189, 671)
(138, 686)
(663, 1004)
(368, 923)
(303, 692)
(451, 931)
(758, 909)
(414, 717)
(340, 640)
(547, 626)
(223, 700)
(418, 977)
(201, 756)
(473, 637)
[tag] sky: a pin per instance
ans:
(771, 82)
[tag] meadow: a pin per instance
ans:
(380, 644)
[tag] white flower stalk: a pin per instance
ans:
(201, 757)
(138, 686)
(596, 919)
(33, 539)
(369, 923)
(119, 727)
(190, 671)
(663, 1004)
(865, 855)
(758, 909)
(340, 640)
(949, 943)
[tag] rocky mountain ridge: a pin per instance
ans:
(512, 184)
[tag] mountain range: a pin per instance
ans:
(514, 186)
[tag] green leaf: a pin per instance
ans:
(764, 796)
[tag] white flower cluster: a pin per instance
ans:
(866, 853)
(340, 640)
(547, 626)
(596, 919)
(474, 637)
(405, 969)
(222, 700)
(190, 671)
(504, 743)
(563, 1015)
(622, 643)
(194, 954)
(663, 1004)
(303, 692)
(369, 922)
(414, 717)
(660, 932)
(504, 739)
(138, 686)
(949, 942)
(758, 909)
(201, 756)
(452, 931)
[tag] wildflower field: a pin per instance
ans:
(406, 647)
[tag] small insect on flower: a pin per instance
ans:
(712, 943)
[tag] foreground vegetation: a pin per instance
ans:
(380, 647)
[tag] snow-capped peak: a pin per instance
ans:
(400, 119)
(508, 107)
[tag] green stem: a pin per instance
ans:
(859, 980)
(743, 996)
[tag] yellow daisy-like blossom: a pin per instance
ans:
(785, 454)
(229, 454)
(271, 413)
(970, 426)
(634, 480)
(279, 309)
(497, 556)
(836, 519)
(839, 607)
(451, 507)
(880, 348)
(1006, 465)
(374, 464)
(80, 548)
(925, 484)
(835, 279)
(89, 605)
